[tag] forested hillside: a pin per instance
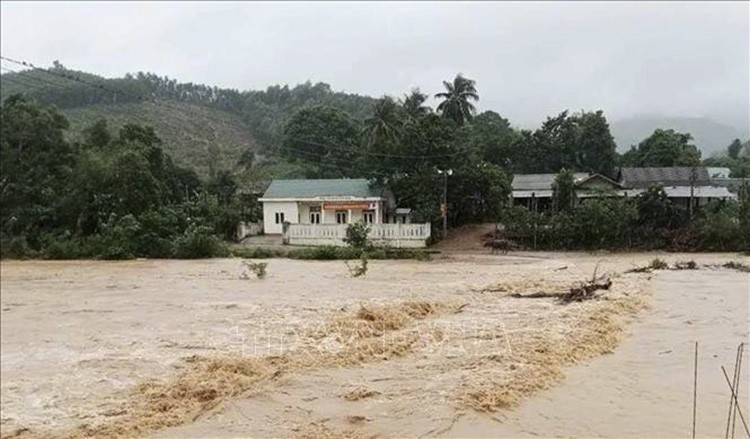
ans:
(196, 136)
(209, 129)
(202, 127)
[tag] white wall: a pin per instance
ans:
(390, 235)
(289, 208)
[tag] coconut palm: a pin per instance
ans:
(384, 123)
(413, 103)
(456, 103)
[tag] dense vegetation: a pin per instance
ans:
(115, 195)
(649, 221)
(112, 190)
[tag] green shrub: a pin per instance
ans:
(159, 229)
(719, 227)
(64, 246)
(199, 242)
(118, 239)
(357, 235)
(601, 223)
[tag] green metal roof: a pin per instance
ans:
(351, 187)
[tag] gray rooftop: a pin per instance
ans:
(671, 176)
(533, 182)
(345, 187)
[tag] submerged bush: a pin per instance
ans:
(658, 264)
(257, 268)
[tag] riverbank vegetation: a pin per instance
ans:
(113, 192)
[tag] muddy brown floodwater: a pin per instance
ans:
(78, 337)
(645, 388)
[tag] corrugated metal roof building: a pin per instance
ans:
(666, 176)
(339, 187)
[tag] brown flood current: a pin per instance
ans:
(77, 337)
(645, 388)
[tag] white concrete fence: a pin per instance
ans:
(391, 235)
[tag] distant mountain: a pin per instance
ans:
(709, 135)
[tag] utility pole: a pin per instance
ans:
(444, 207)
(444, 204)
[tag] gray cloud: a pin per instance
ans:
(529, 59)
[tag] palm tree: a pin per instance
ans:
(384, 123)
(413, 103)
(456, 99)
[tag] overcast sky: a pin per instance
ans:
(530, 60)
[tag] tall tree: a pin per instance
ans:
(413, 103)
(97, 135)
(491, 136)
(733, 150)
(36, 165)
(666, 148)
(326, 139)
(596, 149)
(563, 190)
(383, 125)
(457, 97)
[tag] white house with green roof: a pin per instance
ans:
(331, 201)
(318, 212)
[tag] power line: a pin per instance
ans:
(325, 160)
(69, 77)
(375, 154)
(25, 75)
(59, 74)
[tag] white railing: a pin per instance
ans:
(391, 235)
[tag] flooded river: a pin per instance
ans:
(645, 389)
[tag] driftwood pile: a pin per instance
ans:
(585, 291)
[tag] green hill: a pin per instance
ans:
(195, 136)
(202, 127)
